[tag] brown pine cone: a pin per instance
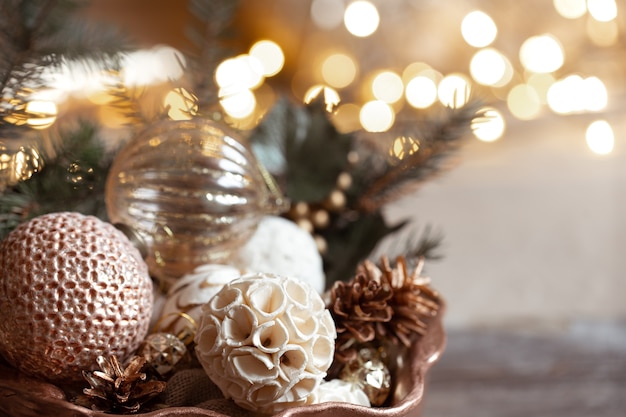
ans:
(358, 307)
(413, 301)
(381, 304)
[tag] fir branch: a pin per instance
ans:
(382, 180)
(74, 180)
(37, 34)
(212, 18)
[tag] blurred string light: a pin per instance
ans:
(571, 9)
(387, 86)
(361, 18)
(421, 92)
(490, 126)
(454, 91)
(602, 10)
(330, 95)
(542, 53)
(523, 102)
(327, 14)
(403, 147)
(600, 137)
(490, 67)
(478, 29)
(339, 70)
(237, 77)
(180, 104)
(376, 116)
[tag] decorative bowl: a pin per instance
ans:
(22, 396)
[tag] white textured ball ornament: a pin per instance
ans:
(72, 287)
(183, 306)
(266, 341)
(281, 247)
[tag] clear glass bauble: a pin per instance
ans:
(192, 191)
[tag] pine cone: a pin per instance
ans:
(381, 304)
(118, 390)
(413, 301)
(358, 307)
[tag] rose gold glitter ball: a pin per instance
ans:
(72, 287)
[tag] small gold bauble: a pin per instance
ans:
(369, 373)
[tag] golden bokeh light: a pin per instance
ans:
(331, 96)
(339, 70)
(489, 67)
(270, 55)
(41, 114)
(574, 94)
(361, 18)
(180, 104)
(454, 91)
(327, 14)
(387, 86)
(421, 92)
(240, 73)
(413, 70)
(523, 102)
(541, 83)
(403, 146)
(595, 94)
(240, 104)
(542, 53)
(490, 126)
(376, 116)
(600, 137)
(602, 10)
(478, 29)
(571, 9)
(346, 118)
(603, 33)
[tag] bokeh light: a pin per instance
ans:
(181, 104)
(523, 102)
(403, 146)
(603, 33)
(361, 18)
(331, 96)
(376, 116)
(339, 70)
(421, 92)
(327, 14)
(574, 94)
(541, 83)
(240, 104)
(600, 137)
(346, 118)
(490, 126)
(542, 53)
(270, 55)
(387, 86)
(41, 114)
(478, 29)
(454, 91)
(240, 73)
(602, 10)
(571, 9)
(489, 67)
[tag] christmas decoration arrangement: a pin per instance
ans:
(199, 267)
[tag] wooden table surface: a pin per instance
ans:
(520, 374)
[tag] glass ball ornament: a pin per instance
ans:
(192, 190)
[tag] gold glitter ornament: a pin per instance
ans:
(72, 288)
(369, 372)
(192, 190)
(164, 352)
